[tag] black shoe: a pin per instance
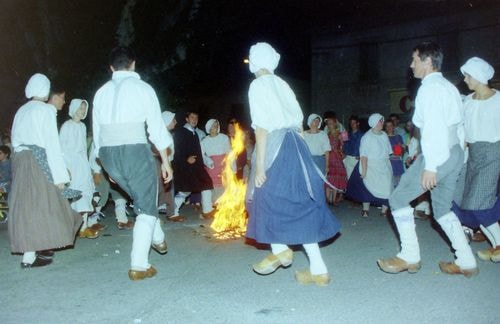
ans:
(39, 262)
(46, 254)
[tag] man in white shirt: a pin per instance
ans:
(439, 115)
(124, 108)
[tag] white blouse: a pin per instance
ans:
(318, 143)
(375, 146)
(35, 124)
(482, 119)
(273, 104)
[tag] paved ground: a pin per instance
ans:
(205, 281)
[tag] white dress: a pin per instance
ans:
(377, 148)
(73, 138)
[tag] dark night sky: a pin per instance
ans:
(69, 40)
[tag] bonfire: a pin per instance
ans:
(230, 218)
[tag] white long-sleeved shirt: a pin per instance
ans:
(273, 104)
(35, 124)
(439, 115)
(482, 118)
(136, 103)
(318, 143)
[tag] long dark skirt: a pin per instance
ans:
(39, 217)
(285, 209)
(357, 191)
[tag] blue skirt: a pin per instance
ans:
(290, 208)
(474, 218)
(356, 190)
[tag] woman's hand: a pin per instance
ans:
(260, 177)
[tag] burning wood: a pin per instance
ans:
(230, 218)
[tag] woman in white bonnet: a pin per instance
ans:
(371, 179)
(285, 197)
(215, 146)
(317, 142)
(477, 204)
(40, 218)
(73, 138)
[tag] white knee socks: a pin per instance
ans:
(121, 211)
(316, 263)
(179, 199)
(453, 229)
(85, 222)
(206, 201)
(366, 206)
(158, 234)
(278, 248)
(410, 249)
(492, 232)
(141, 243)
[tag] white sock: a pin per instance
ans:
(91, 220)
(278, 248)
(121, 210)
(384, 209)
(85, 222)
(206, 201)
(494, 231)
(29, 257)
(98, 209)
(179, 199)
(158, 234)
(141, 242)
(405, 223)
(366, 206)
(316, 263)
(453, 229)
(424, 206)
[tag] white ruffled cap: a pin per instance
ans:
(263, 56)
(313, 117)
(167, 117)
(479, 69)
(209, 124)
(374, 119)
(38, 86)
(75, 105)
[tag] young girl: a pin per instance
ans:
(337, 174)
(73, 137)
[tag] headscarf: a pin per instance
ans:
(75, 105)
(167, 117)
(479, 69)
(313, 117)
(263, 56)
(209, 124)
(38, 86)
(374, 119)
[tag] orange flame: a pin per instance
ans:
(230, 218)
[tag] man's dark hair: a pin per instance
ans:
(189, 112)
(121, 57)
(354, 117)
(432, 50)
(5, 150)
(394, 115)
(329, 115)
(56, 89)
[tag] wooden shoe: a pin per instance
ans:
(397, 265)
(452, 268)
(88, 233)
(305, 277)
(161, 248)
(208, 215)
(98, 227)
(272, 262)
(495, 256)
(364, 213)
(485, 255)
(125, 226)
(176, 218)
(135, 275)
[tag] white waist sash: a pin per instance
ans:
(122, 134)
